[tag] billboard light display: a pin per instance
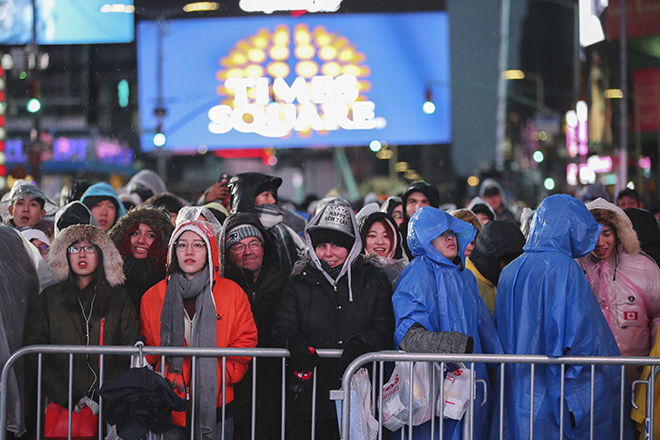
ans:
(311, 81)
(64, 22)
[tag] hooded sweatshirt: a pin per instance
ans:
(435, 293)
(627, 287)
(545, 306)
(103, 191)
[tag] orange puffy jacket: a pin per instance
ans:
(235, 325)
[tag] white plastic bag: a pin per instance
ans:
(396, 395)
(457, 394)
(363, 424)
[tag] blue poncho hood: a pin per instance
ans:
(575, 236)
(427, 224)
(103, 189)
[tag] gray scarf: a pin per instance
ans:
(203, 334)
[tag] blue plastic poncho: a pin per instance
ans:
(435, 293)
(545, 306)
(104, 189)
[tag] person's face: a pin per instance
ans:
(415, 201)
(495, 201)
(606, 243)
(483, 218)
(83, 263)
(26, 212)
(247, 254)
(397, 215)
(264, 197)
(446, 244)
(43, 248)
(105, 212)
(378, 241)
(627, 202)
(469, 247)
(173, 216)
(190, 254)
(331, 253)
(141, 240)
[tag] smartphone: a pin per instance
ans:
(224, 177)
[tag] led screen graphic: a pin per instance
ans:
(312, 81)
(64, 22)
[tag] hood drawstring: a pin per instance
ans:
(617, 260)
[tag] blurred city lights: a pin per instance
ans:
(538, 156)
(375, 146)
(159, 139)
(202, 149)
(400, 167)
(587, 175)
(513, 74)
(630, 185)
(428, 107)
(549, 183)
(33, 105)
(473, 181)
(613, 94)
(201, 6)
(128, 9)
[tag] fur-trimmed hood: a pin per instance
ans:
(156, 218)
(606, 212)
(59, 261)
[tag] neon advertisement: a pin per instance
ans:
(312, 81)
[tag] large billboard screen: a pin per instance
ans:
(278, 81)
(65, 22)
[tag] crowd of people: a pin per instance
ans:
(238, 269)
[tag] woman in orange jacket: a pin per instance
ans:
(181, 310)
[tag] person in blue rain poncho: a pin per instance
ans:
(545, 306)
(436, 297)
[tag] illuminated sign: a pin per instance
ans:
(269, 6)
(106, 150)
(312, 81)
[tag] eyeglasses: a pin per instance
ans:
(397, 215)
(44, 249)
(76, 249)
(239, 248)
(197, 246)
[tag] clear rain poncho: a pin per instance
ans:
(545, 306)
(437, 294)
(23, 189)
(18, 283)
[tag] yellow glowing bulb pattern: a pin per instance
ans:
(281, 53)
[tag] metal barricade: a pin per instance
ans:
(194, 353)
(382, 357)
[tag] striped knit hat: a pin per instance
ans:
(240, 232)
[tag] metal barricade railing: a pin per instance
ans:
(382, 357)
(253, 353)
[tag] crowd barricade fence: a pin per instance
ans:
(380, 358)
(377, 361)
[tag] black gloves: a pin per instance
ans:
(419, 340)
(301, 360)
(354, 348)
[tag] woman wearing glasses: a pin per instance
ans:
(195, 307)
(87, 307)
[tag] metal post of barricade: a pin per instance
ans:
(381, 382)
(411, 393)
(253, 407)
(283, 419)
(70, 396)
(40, 359)
(101, 372)
(441, 428)
(531, 403)
(433, 405)
(562, 382)
(314, 404)
(650, 391)
(224, 396)
(502, 401)
(191, 394)
(592, 397)
(623, 393)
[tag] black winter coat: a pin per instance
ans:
(327, 319)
